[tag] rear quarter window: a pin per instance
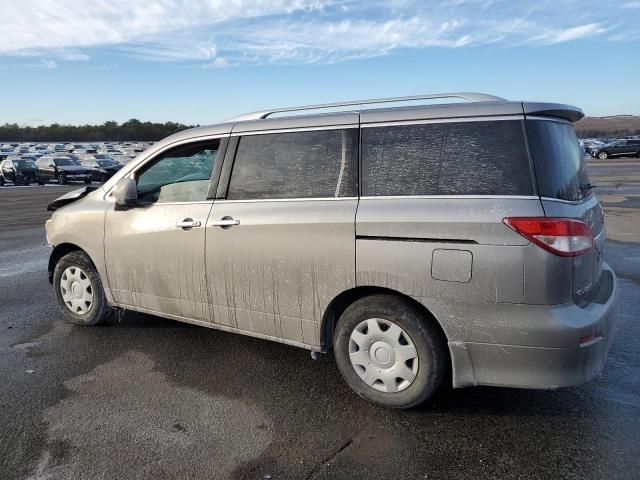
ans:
(457, 158)
(560, 167)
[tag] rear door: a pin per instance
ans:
(564, 188)
(280, 240)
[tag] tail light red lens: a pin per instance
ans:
(566, 237)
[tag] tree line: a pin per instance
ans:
(135, 130)
(131, 130)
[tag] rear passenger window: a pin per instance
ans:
(310, 164)
(458, 158)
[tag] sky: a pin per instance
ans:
(201, 61)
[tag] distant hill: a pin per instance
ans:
(614, 126)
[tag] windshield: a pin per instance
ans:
(559, 162)
(107, 163)
(63, 161)
(24, 164)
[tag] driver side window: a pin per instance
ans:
(181, 174)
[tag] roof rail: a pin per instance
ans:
(470, 96)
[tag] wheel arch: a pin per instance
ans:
(60, 251)
(340, 303)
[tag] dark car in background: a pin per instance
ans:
(18, 171)
(62, 169)
(618, 148)
(101, 169)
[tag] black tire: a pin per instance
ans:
(430, 344)
(62, 179)
(87, 182)
(40, 182)
(1, 181)
(99, 310)
(603, 155)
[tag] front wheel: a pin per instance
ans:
(62, 179)
(389, 352)
(79, 290)
(603, 155)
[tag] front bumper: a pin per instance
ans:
(579, 341)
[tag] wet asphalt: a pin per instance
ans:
(143, 397)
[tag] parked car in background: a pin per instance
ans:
(590, 145)
(101, 169)
(61, 169)
(618, 148)
(5, 151)
(19, 171)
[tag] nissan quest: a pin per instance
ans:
(453, 243)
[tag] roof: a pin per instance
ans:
(477, 105)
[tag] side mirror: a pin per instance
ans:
(125, 193)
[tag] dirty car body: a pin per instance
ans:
(477, 217)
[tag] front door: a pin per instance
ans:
(281, 245)
(155, 250)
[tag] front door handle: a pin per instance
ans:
(188, 223)
(226, 222)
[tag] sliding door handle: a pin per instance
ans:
(226, 222)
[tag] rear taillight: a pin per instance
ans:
(566, 237)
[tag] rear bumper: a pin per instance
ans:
(83, 176)
(579, 341)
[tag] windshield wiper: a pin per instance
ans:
(588, 186)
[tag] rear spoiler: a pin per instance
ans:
(70, 197)
(558, 110)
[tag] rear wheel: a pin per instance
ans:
(389, 353)
(603, 155)
(79, 290)
(1, 181)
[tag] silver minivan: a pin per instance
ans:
(457, 242)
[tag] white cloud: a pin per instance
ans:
(44, 63)
(220, 62)
(223, 32)
(569, 34)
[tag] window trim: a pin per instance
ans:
(398, 123)
(232, 152)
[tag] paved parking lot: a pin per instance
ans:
(144, 397)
